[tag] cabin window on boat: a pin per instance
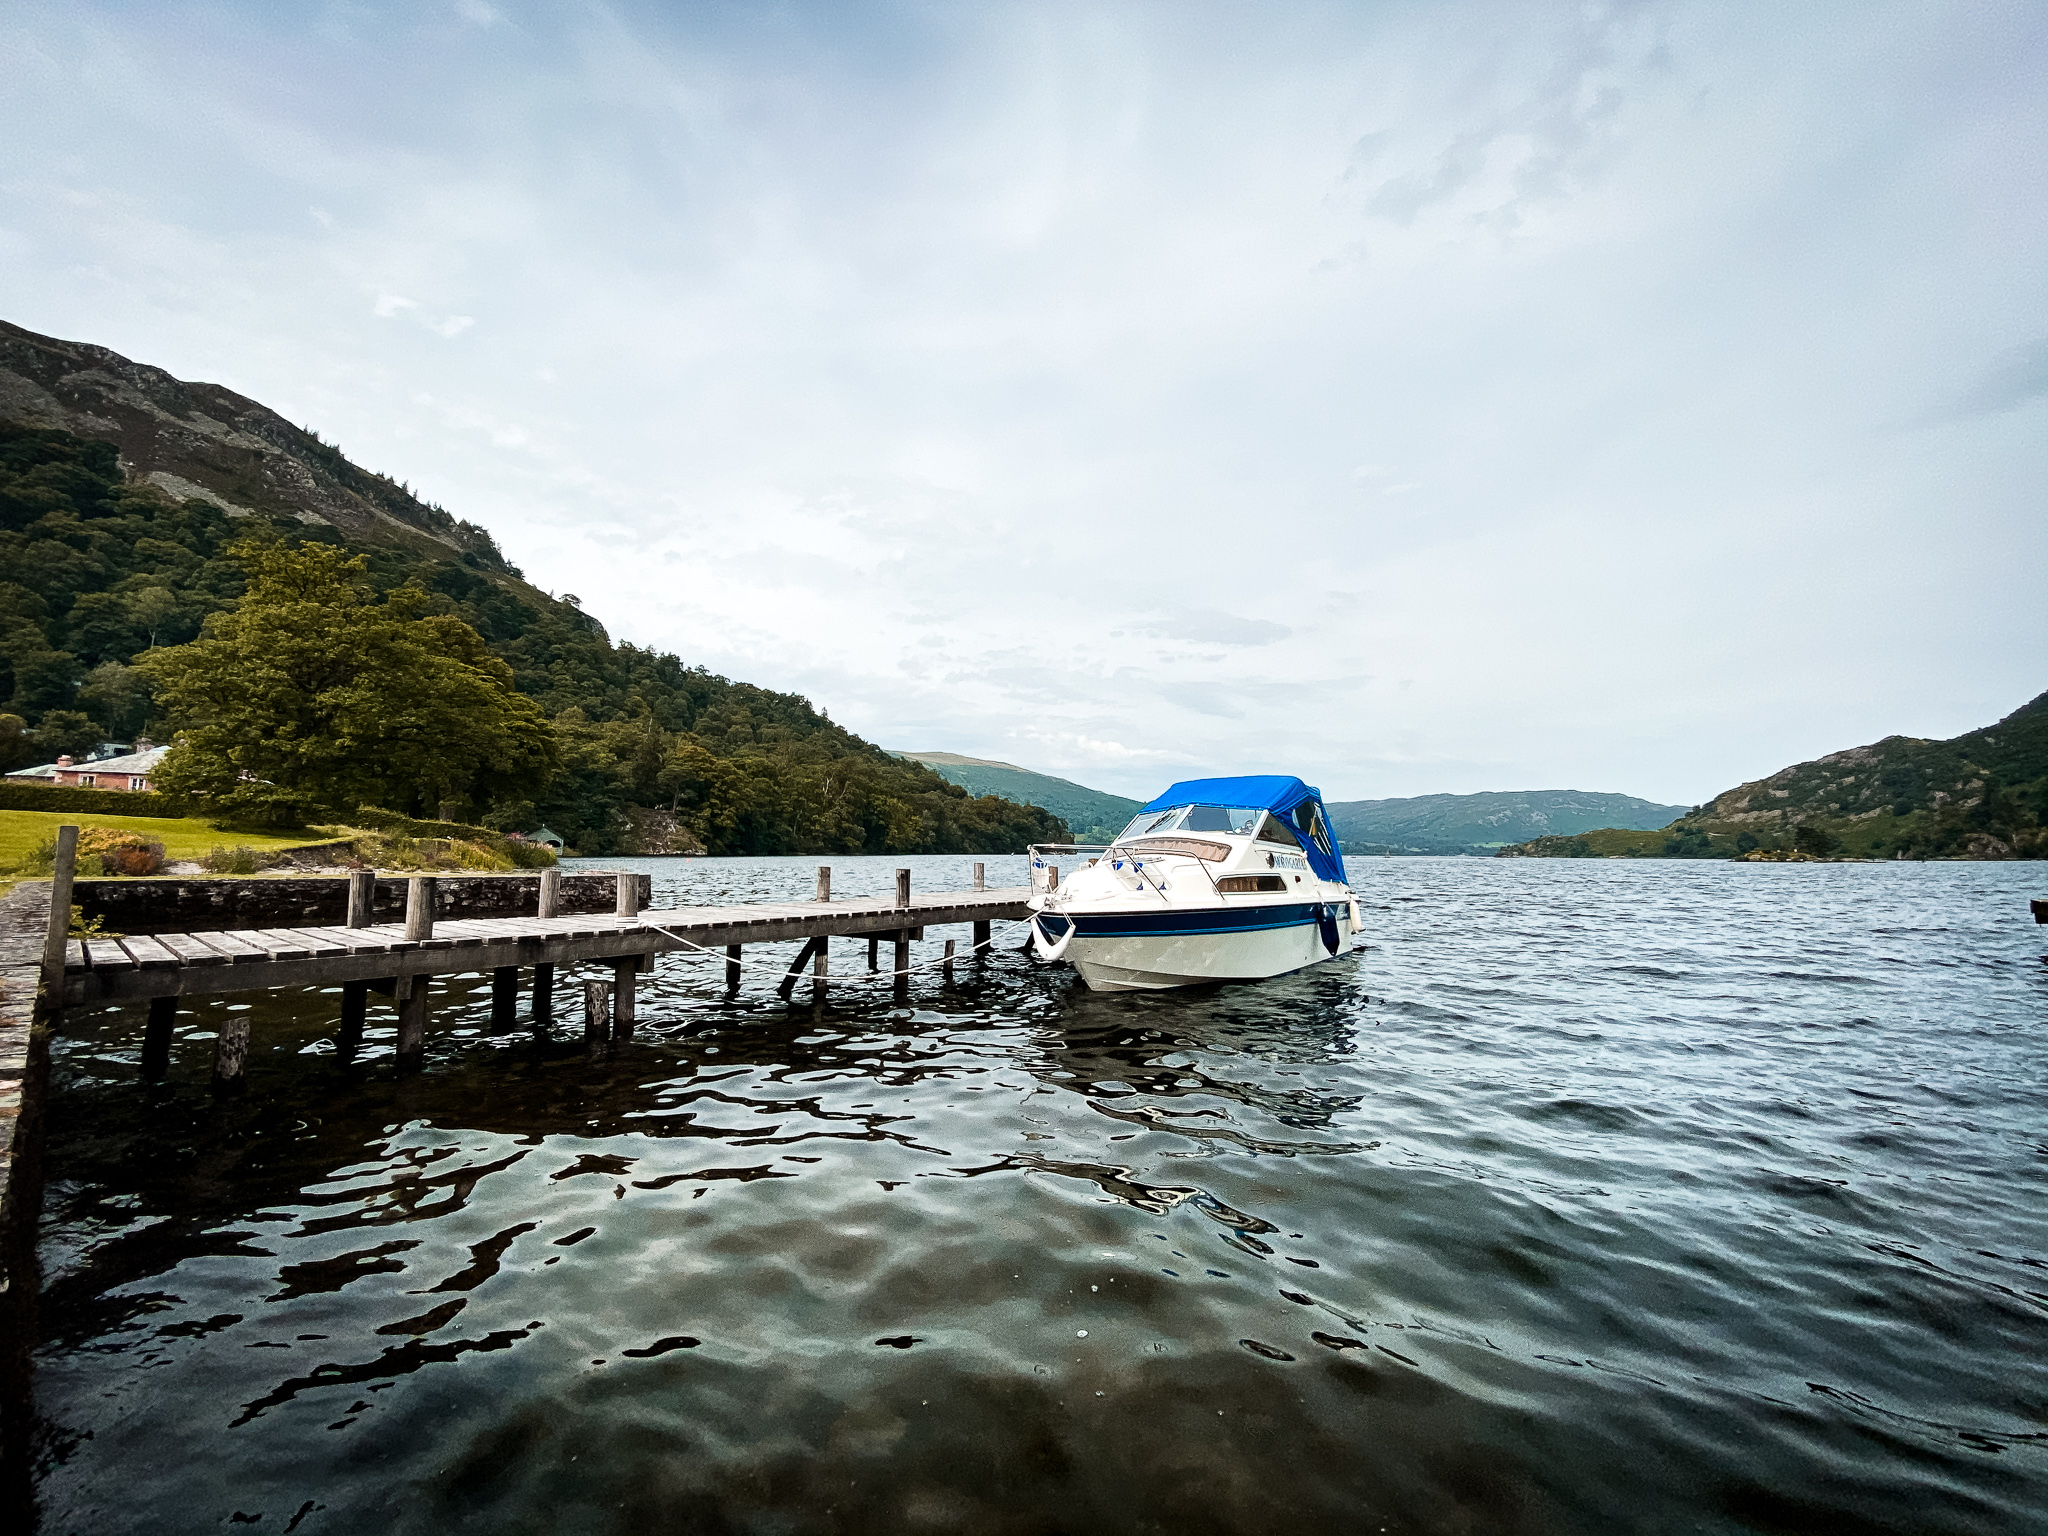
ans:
(1193, 818)
(1308, 817)
(1274, 830)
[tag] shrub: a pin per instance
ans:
(530, 855)
(238, 860)
(118, 852)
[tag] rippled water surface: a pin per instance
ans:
(1589, 1196)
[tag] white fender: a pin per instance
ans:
(1049, 951)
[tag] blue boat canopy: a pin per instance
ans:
(1299, 805)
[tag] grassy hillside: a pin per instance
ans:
(101, 559)
(1981, 795)
(1092, 815)
(1483, 823)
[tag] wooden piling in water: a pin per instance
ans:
(732, 967)
(412, 1020)
(504, 996)
(355, 1007)
(824, 882)
(57, 927)
(543, 993)
(597, 1011)
(231, 1053)
(624, 981)
(821, 966)
(902, 987)
(629, 895)
(981, 877)
(798, 966)
(362, 897)
(874, 953)
(946, 965)
(981, 933)
(156, 1039)
(419, 908)
(550, 904)
(902, 887)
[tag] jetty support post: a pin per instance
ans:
(980, 877)
(624, 975)
(355, 1007)
(902, 971)
(824, 882)
(902, 887)
(597, 1011)
(874, 953)
(543, 994)
(504, 997)
(946, 965)
(412, 1020)
(362, 897)
(156, 1039)
(550, 894)
(231, 1053)
(821, 967)
(57, 928)
(732, 968)
(629, 895)
(797, 967)
(981, 932)
(419, 908)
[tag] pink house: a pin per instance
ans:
(130, 772)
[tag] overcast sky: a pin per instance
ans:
(1415, 397)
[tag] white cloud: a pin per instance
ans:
(1421, 398)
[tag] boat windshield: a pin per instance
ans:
(1193, 818)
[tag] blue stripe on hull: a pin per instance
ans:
(1163, 925)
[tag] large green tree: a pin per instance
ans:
(310, 694)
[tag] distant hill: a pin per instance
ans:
(1484, 823)
(1093, 815)
(1981, 795)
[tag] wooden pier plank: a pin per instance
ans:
(148, 954)
(191, 950)
(238, 950)
(105, 955)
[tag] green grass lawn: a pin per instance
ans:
(188, 838)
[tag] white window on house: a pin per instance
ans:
(88, 780)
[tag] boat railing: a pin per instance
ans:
(1045, 857)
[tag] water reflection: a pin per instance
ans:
(1581, 1219)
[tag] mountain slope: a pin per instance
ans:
(201, 440)
(1484, 822)
(116, 534)
(1983, 794)
(1093, 815)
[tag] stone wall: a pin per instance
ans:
(24, 1073)
(216, 902)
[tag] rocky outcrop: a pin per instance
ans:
(201, 440)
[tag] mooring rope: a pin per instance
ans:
(836, 977)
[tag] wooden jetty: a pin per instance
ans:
(400, 959)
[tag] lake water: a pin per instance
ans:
(1589, 1197)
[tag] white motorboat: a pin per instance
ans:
(1215, 880)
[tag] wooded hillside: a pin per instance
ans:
(96, 566)
(1981, 795)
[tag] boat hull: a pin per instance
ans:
(1155, 951)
